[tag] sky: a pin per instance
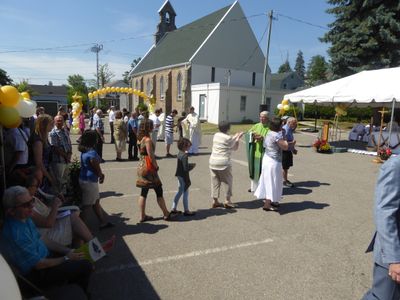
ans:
(45, 40)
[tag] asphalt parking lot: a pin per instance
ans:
(313, 249)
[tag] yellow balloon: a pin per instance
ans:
(281, 112)
(286, 107)
(26, 95)
(9, 117)
(113, 89)
(90, 95)
(285, 102)
(10, 96)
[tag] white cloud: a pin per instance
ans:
(40, 69)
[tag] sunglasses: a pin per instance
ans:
(28, 204)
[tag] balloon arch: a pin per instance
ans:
(125, 90)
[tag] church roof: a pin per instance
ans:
(178, 46)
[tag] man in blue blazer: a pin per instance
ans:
(386, 242)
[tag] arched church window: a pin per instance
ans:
(162, 87)
(179, 85)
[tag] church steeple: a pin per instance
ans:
(167, 20)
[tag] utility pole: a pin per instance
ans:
(264, 86)
(97, 48)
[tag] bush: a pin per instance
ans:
(328, 112)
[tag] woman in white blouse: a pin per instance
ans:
(220, 164)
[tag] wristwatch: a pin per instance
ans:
(66, 258)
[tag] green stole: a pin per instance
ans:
(255, 150)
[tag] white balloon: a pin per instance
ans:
(26, 108)
(280, 106)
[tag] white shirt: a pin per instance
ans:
(111, 116)
(19, 140)
(156, 122)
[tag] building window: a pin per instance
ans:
(212, 74)
(137, 84)
(162, 87)
(148, 87)
(253, 79)
(179, 85)
(243, 103)
(284, 86)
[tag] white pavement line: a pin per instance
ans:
(240, 162)
(181, 256)
(135, 195)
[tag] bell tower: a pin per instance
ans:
(167, 21)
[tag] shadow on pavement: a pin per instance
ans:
(310, 183)
(291, 207)
(202, 214)
(120, 270)
(296, 191)
(251, 204)
(110, 194)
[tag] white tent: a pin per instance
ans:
(367, 87)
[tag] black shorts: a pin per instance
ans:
(287, 159)
(157, 189)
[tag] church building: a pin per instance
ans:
(214, 64)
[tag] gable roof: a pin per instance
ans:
(60, 90)
(178, 46)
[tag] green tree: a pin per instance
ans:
(105, 75)
(317, 70)
(77, 84)
(126, 73)
(4, 78)
(285, 67)
(299, 68)
(365, 35)
(23, 86)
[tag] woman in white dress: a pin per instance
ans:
(271, 179)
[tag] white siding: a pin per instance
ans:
(202, 74)
(217, 95)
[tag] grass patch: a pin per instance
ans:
(209, 129)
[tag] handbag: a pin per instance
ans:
(149, 165)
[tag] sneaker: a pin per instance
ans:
(288, 183)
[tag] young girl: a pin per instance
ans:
(182, 172)
(89, 178)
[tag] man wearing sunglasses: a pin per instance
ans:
(34, 255)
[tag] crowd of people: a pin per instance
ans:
(43, 229)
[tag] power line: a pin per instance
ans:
(185, 27)
(303, 22)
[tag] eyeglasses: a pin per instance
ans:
(28, 204)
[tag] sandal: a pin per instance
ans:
(169, 217)
(146, 218)
(270, 209)
(275, 204)
(215, 205)
(107, 225)
(229, 205)
(175, 212)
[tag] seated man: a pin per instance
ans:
(357, 133)
(30, 253)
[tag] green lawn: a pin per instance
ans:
(208, 128)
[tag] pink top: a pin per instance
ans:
(82, 121)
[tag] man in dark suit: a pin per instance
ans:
(386, 242)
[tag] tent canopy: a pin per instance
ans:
(366, 88)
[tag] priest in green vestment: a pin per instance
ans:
(255, 148)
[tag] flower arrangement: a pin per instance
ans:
(322, 146)
(384, 153)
